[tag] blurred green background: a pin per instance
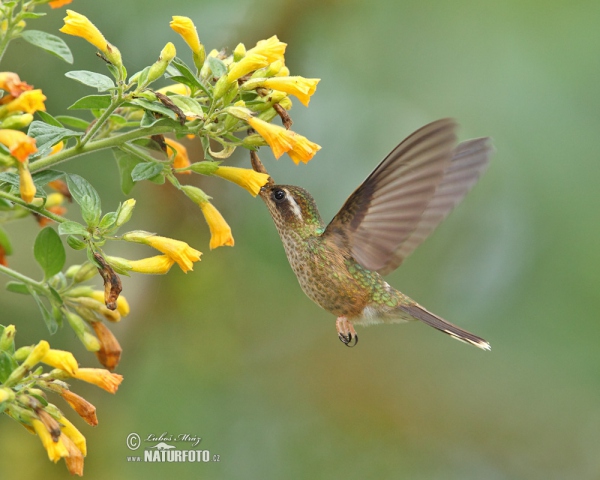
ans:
(236, 354)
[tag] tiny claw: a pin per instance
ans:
(346, 332)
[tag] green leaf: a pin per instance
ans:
(91, 79)
(146, 170)
(5, 242)
(29, 14)
(155, 107)
(108, 220)
(9, 177)
(217, 66)
(72, 228)
(188, 105)
(51, 43)
(126, 163)
(75, 243)
(73, 121)
(7, 365)
(48, 135)
(186, 76)
(46, 117)
(46, 176)
(49, 319)
(87, 197)
(49, 252)
(91, 101)
(17, 287)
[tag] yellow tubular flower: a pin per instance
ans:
(158, 265)
(36, 355)
(300, 87)
(251, 62)
(11, 83)
(62, 360)
(28, 102)
(56, 450)
(19, 144)
(177, 88)
(281, 140)
(80, 26)
(186, 28)
(122, 304)
(220, 232)
(75, 435)
(57, 148)
(181, 159)
(100, 377)
(27, 188)
(59, 3)
(179, 251)
(244, 177)
(271, 48)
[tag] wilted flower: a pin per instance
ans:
(84, 408)
(75, 435)
(11, 83)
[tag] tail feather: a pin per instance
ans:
(417, 311)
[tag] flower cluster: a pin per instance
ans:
(162, 134)
(24, 389)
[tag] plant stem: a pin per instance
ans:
(33, 208)
(22, 278)
(139, 153)
(93, 146)
(105, 116)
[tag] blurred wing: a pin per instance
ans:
(468, 163)
(386, 209)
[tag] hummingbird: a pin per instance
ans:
(340, 266)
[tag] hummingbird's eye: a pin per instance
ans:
(279, 195)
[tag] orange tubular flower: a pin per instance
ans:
(220, 232)
(19, 144)
(29, 102)
(11, 83)
(59, 3)
(101, 378)
(181, 159)
(281, 140)
(75, 459)
(84, 408)
(244, 177)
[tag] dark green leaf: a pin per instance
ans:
(187, 77)
(49, 251)
(48, 135)
(75, 243)
(155, 107)
(72, 228)
(51, 43)
(41, 399)
(46, 176)
(73, 121)
(91, 79)
(46, 117)
(91, 102)
(9, 177)
(217, 66)
(57, 301)
(188, 105)
(87, 197)
(146, 170)
(7, 365)
(5, 242)
(17, 287)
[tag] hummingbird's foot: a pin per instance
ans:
(346, 332)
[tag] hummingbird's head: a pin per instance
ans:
(292, 208)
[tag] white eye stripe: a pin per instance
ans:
(296, 210)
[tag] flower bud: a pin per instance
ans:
(125, 211)
(160, 66)
(7, 340)
(17, 122)
(239, 52)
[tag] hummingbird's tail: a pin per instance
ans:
(417, 311)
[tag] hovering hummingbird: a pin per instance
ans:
(340, 265)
